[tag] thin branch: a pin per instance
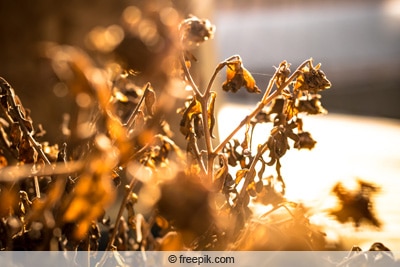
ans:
(128, 191)
(196, 152)
(132, 117)
(189, 76)
(251, 173)
(207, 138)
(16, 173)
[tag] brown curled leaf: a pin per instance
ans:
(310, 105)
(221, 174)
(237, 77)
(240, 174)
(211, 115)
(15, 133)
(150, 100)
(305, 141)
(193, 109)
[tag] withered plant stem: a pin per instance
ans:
(131, 120)
(128, 190)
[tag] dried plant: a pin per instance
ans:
(119, 151)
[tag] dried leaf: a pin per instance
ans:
(237, 77)
(220, 174)
(276, 106)
(26, 153)
(211, 115)
(193, 110)
(251, 189)
(310, 105)
(250, 83)
(150, 100)
(240, 174)
(356, 206)
(15, 133)
(305, 141)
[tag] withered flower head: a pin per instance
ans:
(237, 77)
(312, 79)
(195, 31)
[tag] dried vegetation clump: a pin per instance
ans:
(120, 181)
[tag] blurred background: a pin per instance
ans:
(358, 43)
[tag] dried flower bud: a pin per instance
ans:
(194, 31)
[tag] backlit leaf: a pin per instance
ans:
(150, 100)
(250, 83)
(220, 174)
(211, 115)
(237, 77)
(193, 110)
(240, 174)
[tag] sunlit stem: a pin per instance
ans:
(194, 147)
(128, 190)
(129, 123)
(189, 76)
(37, 187)
(282, 205)
(251, 173)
